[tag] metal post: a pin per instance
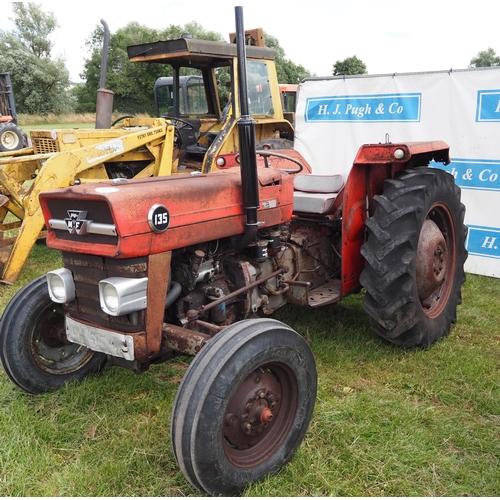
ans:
(104, 104)
(246, 133)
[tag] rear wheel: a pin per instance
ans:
(243, 406)
(415, 254)
(34, 350)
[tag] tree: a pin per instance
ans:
(131, 83)
(350, 66)
(485, 59)
(34, 27)
(288, 71)
(40, 83)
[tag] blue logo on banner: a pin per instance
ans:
(364, 108)
(488, 106)
(474, 174)
(484, 241)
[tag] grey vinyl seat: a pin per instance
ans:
(315, 194)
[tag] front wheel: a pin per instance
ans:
(415, 254)
(244, 406)
(34, 351)
(11, 137)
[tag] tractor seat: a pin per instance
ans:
(202, 145)
(315, 194)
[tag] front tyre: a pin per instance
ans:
(12, 137)
(244, 406)
(34, 351)
(415, 254)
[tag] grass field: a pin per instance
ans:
(51, 121)
(387, 422)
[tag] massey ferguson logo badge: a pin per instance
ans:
(76, 222)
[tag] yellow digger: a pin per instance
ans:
(187, 139)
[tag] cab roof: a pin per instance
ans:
(200, 53)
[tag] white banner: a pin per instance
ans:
(336, 115)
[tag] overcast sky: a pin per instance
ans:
(388, 36)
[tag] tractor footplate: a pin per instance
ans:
(328, 293)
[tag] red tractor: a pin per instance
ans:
(195, 264)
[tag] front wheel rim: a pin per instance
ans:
(50, 349)
(260, 415)
(10, 140)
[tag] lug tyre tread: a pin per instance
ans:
(390, 252)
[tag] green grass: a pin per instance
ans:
(387, 422)
(28, 128)
(57, 122)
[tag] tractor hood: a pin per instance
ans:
(132, 218)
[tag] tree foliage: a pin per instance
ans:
(131, 83)
(484, 59)
(34, 27)
(350, 66)
(288, 71)
(40, 83)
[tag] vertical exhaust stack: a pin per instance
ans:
(246, 134)
(104, 104)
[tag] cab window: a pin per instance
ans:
(259, 90)
(193, 99)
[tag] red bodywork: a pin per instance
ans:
(208, 207)
(202, 208)
(373, 164)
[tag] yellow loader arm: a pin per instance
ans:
(146, 142)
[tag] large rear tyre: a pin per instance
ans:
(244, 406)
(34, 350)
(415, 254)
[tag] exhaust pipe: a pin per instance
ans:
(246, 134)
(104, 104)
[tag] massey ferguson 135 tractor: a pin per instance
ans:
(195, 264)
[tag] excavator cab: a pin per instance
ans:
(200, 99)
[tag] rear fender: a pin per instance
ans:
(373, 164)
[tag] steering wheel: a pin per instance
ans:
(183, 123)
(266, 153)
(120, 119)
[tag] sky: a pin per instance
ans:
(388, 36)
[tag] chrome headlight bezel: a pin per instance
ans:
(120, 296)
(61, 285)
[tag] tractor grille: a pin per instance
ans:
(97, 211)
(44, 145)
(87, 271)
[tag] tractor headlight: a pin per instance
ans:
(399, 154)
(109, 297)
(61, 285)
(119, 296)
